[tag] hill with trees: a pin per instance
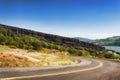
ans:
(28, 39)
(111, 41)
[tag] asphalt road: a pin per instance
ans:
(97, 70)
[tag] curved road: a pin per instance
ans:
(95, 69)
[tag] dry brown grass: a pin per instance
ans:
(53, 51)
(10, 57)
(9, 60)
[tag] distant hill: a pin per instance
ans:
(83, 39)
(29, 39)
(111, 41)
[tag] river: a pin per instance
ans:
(116, 48)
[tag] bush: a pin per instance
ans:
(100, 55)
(44, 44)
(85, 53)
(109, 55)
(75, 52)
(36, 45)
(12, 46)
(80, 53)
(72, 50)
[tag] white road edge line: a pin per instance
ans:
(53, 74)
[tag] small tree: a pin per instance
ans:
(109, 55)
(72, 51)
(36, 46)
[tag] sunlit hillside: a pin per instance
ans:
(10, 57)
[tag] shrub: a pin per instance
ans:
(109, 55)
(36, 45)
(72, 50)
(101, 55)
(12, 46)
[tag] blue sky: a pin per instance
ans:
(71, 18)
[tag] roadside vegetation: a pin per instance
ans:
(52, 60)
(10, 57)
(9, 60)
(32, 41)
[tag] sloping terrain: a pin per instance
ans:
(28, 39)
(10, 57)
(9, 60)
(111, 41)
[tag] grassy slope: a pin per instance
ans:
(10, 57)
(9, 60)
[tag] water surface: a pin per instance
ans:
(115, 48)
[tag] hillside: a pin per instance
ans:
(10, 57)
(28, 39)
(47, 43)
(111, 41)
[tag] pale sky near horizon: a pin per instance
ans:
(92, 19)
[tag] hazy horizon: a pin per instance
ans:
(93, 19)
